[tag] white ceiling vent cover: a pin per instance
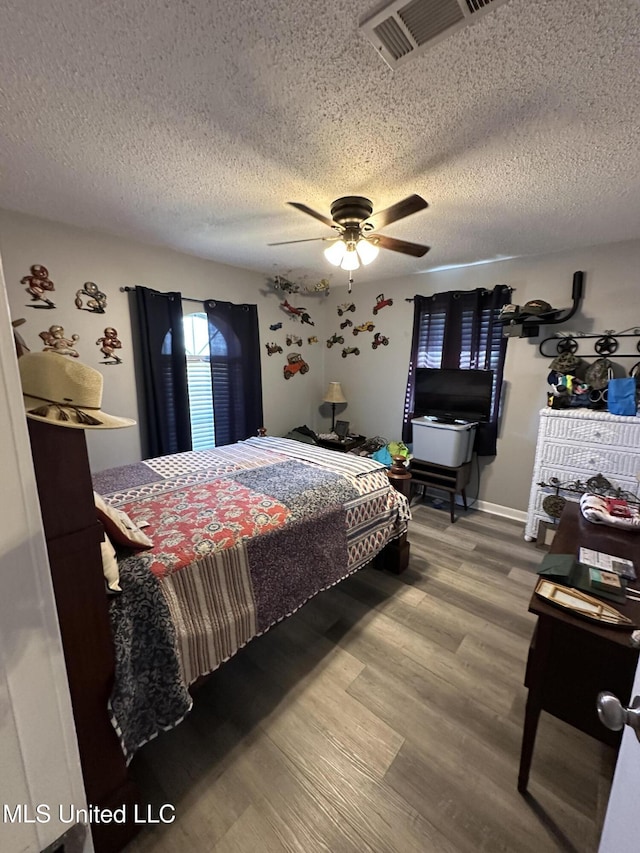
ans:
(404, 30)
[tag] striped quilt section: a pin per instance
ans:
(212, 608)
(342, 463)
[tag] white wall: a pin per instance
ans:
(73, 256)
(374, 382)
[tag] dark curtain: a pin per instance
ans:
(235, 370)
(460, 329)
(164, 371)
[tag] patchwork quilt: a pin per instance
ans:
(243, 536)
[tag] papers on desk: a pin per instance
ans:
(607, 562)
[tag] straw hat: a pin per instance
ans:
(64, 392)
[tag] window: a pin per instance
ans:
(198, 352)
(460, 329)
(175, 358)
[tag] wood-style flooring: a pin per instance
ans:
(384, 717)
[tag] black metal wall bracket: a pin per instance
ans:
(603, 344)
(528, 326)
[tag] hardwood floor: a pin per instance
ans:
(384, 716)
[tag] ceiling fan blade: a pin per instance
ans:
(315, 214)
(308, 240)
(409, 205)
(403, 246)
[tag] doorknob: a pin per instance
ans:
(615, 716)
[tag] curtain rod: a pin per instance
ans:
(486, 290)
(184, 298)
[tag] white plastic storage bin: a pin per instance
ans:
(443, 444)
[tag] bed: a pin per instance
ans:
(242, 537)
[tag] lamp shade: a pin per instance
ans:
(350, 261)
(367, 251)
(334, 394)
(335, 253)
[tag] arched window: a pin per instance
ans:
(220, 344)
(198, 352)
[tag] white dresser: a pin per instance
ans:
(577, 444)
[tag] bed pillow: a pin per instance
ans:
(110, 565)
(119, 527)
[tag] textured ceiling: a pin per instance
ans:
(190, 123)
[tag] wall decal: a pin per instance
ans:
(273, 348)
(369, 326)
(349, 350)
(295, 364)
(321, 286)
(280, 282)
(381, 303)
(108, 344)
(346, 323)
(297, 313)
(275, 326)
(287, 285)
(55, 341)
(294, 340)
(344, 307)
(39, 283)
(96, 299)
(334, 339)
(312, 340)
(379, 340)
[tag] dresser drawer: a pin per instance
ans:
(617, 432)
(591, 458)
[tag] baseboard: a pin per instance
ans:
(485, 506)
(503, 511)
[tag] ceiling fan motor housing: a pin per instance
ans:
(351, 210)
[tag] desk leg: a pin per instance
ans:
(464, 498)
(452, 503)
(536, 667)
(531, 717)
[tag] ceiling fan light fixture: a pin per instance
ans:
(335, 252)
(367, 251)
(350, 261)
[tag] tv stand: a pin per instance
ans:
(452, 480)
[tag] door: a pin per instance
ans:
(621, 832)
(41, 777)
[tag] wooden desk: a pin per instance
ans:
(571, 659)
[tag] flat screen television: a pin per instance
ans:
(450, 395)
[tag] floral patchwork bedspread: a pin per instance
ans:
(243, 536)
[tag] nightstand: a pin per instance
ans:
(342, 445)
(452, 480)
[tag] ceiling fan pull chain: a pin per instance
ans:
(350, 282)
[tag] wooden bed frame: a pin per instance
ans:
(73, 537)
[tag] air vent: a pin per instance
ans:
(404, 30)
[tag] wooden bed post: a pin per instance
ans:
(73, 537)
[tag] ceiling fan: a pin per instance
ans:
(357, 241)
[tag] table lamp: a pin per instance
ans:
(334, 395)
